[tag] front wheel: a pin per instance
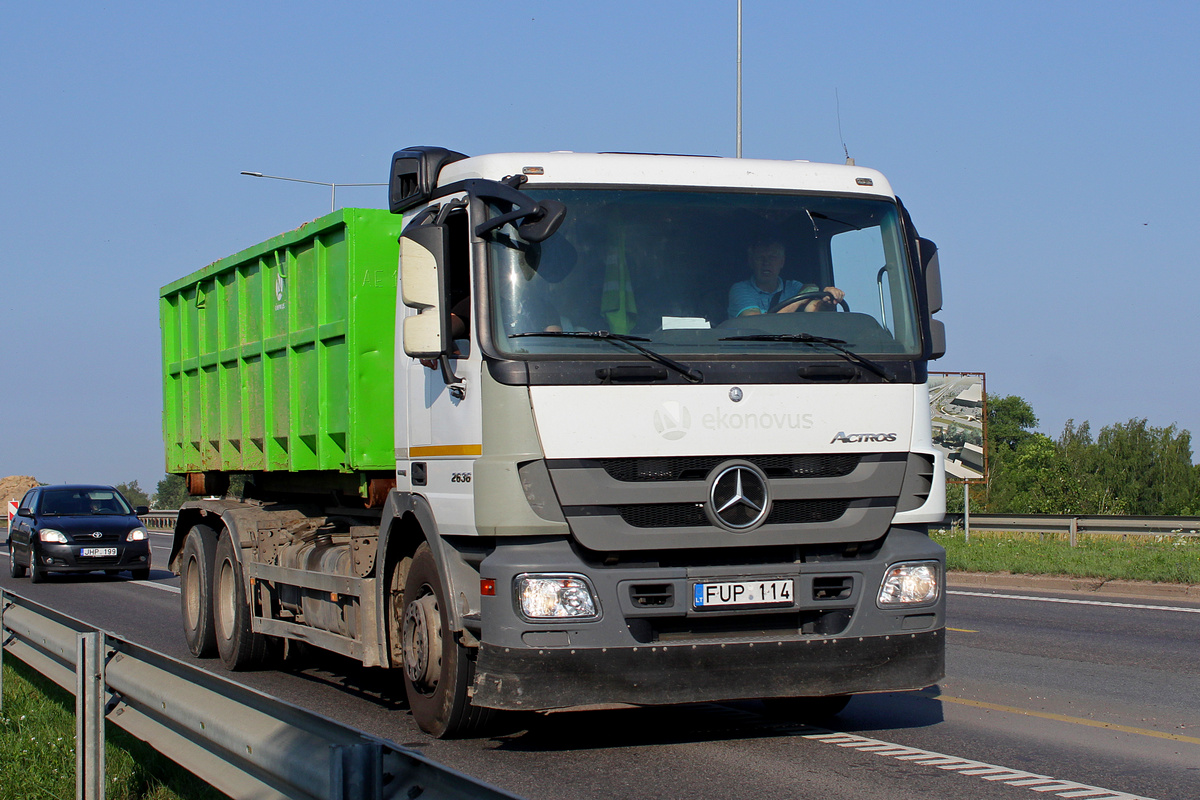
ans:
(37, 573)
(437, 669)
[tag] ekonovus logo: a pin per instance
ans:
(672, 420)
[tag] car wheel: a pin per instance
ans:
(37, 573)
(140, 574)
(196, 588)
(14, 569)
(437, 669)
(240, 647)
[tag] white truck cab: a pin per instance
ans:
(652, 467)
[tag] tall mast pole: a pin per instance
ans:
(739, 78)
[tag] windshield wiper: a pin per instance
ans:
(807, 338)
(633, 341)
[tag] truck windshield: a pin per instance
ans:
(706, 274)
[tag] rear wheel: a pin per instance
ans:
(240, 647)
(437, 669)
(14, 569)
(196, 590)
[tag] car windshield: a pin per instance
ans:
(692, 272)
(83, 503)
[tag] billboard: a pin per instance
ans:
(958, 407)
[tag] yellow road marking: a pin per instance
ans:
(961, 630)
(1091, 723)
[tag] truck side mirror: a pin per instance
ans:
(423, 287)
(927, 252)
(933, 274)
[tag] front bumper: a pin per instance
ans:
(512, 678)
(67, 557)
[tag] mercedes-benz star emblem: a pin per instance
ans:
(738, 499)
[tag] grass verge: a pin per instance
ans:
(37, 749)
(1163, 559)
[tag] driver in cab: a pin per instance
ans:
(764, 289)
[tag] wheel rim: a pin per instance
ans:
(422, 640)
(225, 598)
(191, 594)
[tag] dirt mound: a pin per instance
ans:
(14, 487)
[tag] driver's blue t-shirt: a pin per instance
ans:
(745, 295)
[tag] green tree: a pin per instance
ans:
(1010, 424)
(171, 492)
(133, 493)
(1148, 470)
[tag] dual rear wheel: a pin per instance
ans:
(213, 599)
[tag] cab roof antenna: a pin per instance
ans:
(846, 150)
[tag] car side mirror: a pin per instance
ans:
(142, 510)
(24, 512)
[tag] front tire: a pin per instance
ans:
(196, 590)
(437, 669)
(37, 573)
(240, 647)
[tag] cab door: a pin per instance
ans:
(444, 419)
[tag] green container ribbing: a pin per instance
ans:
(280, 357)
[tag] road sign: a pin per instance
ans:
(12, 511)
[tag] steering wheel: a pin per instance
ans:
(812, 295)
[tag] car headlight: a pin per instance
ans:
(910, 584)
(555, 597)
(137, 535)
(51, 535)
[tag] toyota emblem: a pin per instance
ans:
(738, 497)
(97, 535)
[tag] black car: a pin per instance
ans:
(77, 529)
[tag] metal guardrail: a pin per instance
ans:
(242, 742)
(160, 520)
(1112, 525)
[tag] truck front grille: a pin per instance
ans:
(697, 468)
(687, 515)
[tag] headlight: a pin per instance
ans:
(555, 597)
(910, 584)
(48, 535)
(136, 535)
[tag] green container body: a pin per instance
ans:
(280, 357)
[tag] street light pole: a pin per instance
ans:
(332, 186)
(739, 79)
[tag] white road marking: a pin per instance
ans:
(965, 766)
(162, 586)
(1074, 602)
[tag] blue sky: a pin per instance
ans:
(1049, 148)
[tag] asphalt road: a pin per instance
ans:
(1046, 695)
